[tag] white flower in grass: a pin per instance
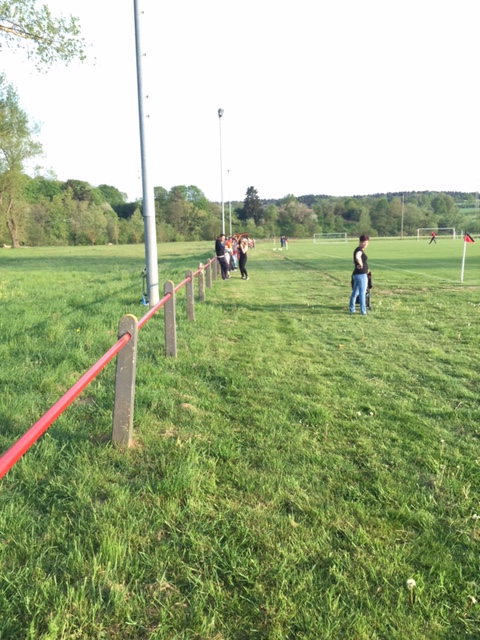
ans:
(411, 584)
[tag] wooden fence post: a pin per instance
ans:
(125, 383)
(170, 320)
(190, 296)
(201, 283)
(211, 269)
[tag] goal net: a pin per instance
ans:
(321, 238)
(426, 232)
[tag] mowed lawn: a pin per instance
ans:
(297, 472)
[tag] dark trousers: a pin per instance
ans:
(242, 263)
(223, 267)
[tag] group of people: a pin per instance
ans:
(231, 255)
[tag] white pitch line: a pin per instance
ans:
(396, 268)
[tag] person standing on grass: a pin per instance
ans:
(360, 276)
(242, 260)
(234, 258)
(433, 238)
(220, 253)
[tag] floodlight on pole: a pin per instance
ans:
(220, 114)
(229, 201)
(148, 205)
(403, 209)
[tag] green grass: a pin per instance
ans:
(292, 468)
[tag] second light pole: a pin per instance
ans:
(229, 202)
(220, 114)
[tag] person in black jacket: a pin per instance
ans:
(243, 249)
(220, 253)
(360, 276)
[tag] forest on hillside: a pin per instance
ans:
(43, 210)
(46, 211)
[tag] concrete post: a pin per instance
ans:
(211, 273)
(190, 296)
(201, 282)
(170, 320)
(125, 383)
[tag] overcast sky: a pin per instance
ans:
(338, 97)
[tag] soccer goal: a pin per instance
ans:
(426, 232)
(322, 238)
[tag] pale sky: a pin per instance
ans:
(337, 97)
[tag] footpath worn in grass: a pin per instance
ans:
(293, 468)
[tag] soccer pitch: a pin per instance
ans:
(396, 263)
(294, 469)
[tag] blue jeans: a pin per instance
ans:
(359, 289)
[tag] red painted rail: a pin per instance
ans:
(153, 310)
(16, 451)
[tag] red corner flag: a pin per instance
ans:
(467, 238)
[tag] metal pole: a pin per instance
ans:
(403, 208)
(229, 201)
(463, 259)
(150, 234)
(220, 114)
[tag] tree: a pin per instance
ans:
(364, 224)
(112, 227)
(352, 210)
(295, 218)
(17, 144)
(53, 39)
(112, 195)
(185, 210)
(252, 207)
(93, 225)
(84, 192)
(444, 207)
(135, 228)
(380, 217)
(324, 210)
(40, 187)
(270, 215)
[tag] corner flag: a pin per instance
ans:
(467, 239)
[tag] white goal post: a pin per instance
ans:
(426, 232)
(321, 238)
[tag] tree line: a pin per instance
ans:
(45, 211)
(42, 210)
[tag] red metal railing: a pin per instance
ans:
(16, 451)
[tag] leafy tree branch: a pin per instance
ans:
(47, 39)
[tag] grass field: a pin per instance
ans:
(293, 468)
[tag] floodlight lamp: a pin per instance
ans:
(220, 113)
